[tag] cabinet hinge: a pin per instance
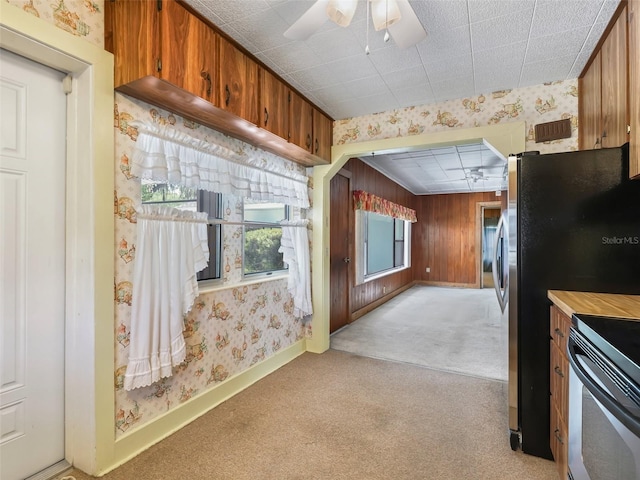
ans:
(159, 3)
(628, 129)
(159, 65)
(289, 97)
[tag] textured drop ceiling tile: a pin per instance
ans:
(454, 67)
(504, 56)
(265, 29)
(233, 10)
(414, 96)
(335, 44)
(293, 56)
(541, 72)
(334, 93)
(452, 88)
(406, 78)
(389, 60)
(441, 14)
(480, 10)
(608, 9)
(442, 44)
(557, 45)
(552, 16)
(499, 31)
(365, 87)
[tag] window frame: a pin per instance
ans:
(361, 248)
(254, 223)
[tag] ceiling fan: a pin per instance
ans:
(476, 173)
(396, 16)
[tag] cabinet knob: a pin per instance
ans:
(559, 332)
(558, 371)
(266, 116)
(557, 435)
(308, 140)
(317, 146)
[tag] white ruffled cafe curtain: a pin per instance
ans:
(295, 252)
(166, 155)
(171, 248)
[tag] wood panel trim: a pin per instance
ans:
(382, 300)
(479, 209)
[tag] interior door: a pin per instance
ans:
(340, 259)
(32, 266)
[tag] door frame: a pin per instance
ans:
(89, 229)
(503, 138)
(480, 208)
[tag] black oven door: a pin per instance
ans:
(604, 423)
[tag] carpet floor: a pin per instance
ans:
(342, 416)
(454, 329)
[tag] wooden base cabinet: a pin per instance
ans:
(634, 88)
(559, 389)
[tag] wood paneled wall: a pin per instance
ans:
(445, 237)
(370, 180)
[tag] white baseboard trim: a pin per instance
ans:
(135, 442)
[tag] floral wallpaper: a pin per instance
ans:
(83, 18)
(229, 329)
(533, 105)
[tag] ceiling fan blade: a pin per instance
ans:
(309, 22)
(408, 30)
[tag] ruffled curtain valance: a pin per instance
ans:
(166, 155)
(372, 203)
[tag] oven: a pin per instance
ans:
(604, 399)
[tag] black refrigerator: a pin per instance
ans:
(573, 223)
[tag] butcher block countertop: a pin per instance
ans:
(600, 304)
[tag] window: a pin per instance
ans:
(382, 245)
(184, 198)
(262, 235)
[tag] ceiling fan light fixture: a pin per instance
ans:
(384, 13)
(341, 11)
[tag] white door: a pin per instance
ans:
(32, 266)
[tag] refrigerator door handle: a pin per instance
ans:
(502, 291)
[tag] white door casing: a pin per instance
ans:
(32, 266)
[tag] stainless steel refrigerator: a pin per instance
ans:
(573, 223)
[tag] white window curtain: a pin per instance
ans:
(295, 252)
(171, 249)
(166, 155)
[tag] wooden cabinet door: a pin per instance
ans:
(238, 83)
(323, 135)
(274, 104)
(188, 46)
(634, 90)
(614, 84)
(589, 107)
(300, 122)
(132, 30)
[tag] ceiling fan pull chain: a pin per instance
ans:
(366, 48)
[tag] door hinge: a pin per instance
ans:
(67, 84)
(159, 3)
(159, 65)
(628, 129)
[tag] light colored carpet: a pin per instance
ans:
(454, 329)
(340, 416)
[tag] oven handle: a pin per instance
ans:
(621, 413)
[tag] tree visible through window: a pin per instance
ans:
(262, 236)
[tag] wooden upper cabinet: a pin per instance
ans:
(322, 135)
(238, 83)
(634, 90)
(274, 104)
(589, 106)
(132, 32)
(614, 84)
(188, 51)
(300, 122)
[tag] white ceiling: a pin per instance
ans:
(472, 47)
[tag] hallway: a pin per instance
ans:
(451, 329)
